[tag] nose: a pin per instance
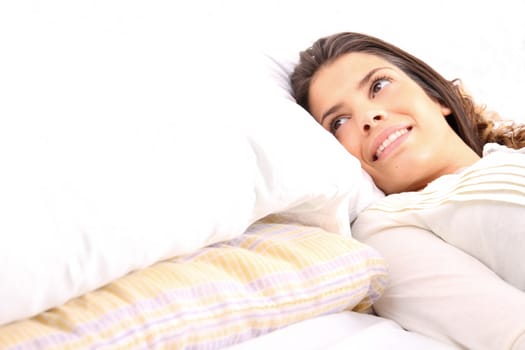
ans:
(371, 118)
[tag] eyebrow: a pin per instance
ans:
(364, 81)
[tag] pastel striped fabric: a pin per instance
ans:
(274, 275)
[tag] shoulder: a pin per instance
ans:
(491, 149)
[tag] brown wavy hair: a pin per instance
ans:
(472, 122)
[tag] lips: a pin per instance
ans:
(386, 138)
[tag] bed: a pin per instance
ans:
(161, 189)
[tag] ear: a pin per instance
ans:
(445, 111)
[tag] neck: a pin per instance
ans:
(461, 157)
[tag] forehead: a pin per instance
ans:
(350, 66)
(340, 75)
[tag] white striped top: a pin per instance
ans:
(480, 210)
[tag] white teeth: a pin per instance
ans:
(389, 140)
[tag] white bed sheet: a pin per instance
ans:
(343, 330)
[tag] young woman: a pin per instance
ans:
(452, 226)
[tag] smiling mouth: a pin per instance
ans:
(394, 136)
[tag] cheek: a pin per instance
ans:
(428, 108)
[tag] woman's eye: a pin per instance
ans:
(337, 122)
(379, 84)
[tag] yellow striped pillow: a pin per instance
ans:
(274, 275)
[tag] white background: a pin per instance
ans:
(63, 56)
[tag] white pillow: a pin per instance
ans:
(135, 143)
(305, 171)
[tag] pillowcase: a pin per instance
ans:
(274, 275)
(324, 183)
(131, 152)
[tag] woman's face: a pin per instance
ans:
(385, 119)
